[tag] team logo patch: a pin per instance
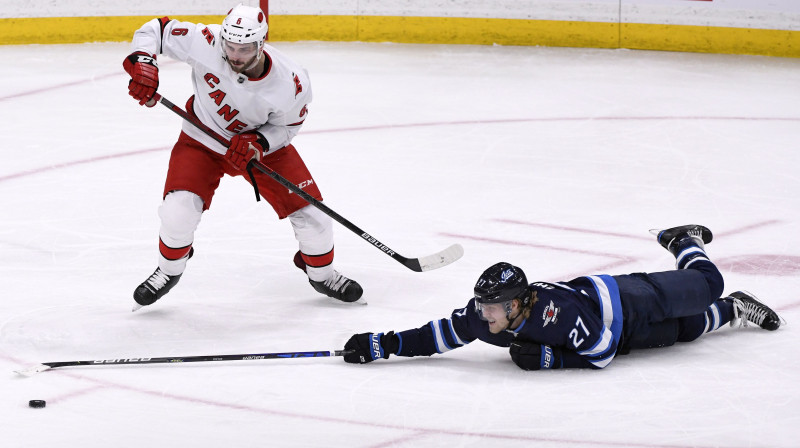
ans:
(550, 314)
(507, 274)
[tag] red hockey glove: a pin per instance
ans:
(245, 147)
(143, 69)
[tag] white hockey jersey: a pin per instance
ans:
(230, 103)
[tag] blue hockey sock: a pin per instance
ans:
(718, 314)
(689, 253)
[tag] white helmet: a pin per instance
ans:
(245, 24)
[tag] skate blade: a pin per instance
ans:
(136, 307)
(361, 301)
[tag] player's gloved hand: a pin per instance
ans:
(368, 347)
(245, 147)
(143, 69)
(527, 355)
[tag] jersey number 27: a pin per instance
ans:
(573, 334)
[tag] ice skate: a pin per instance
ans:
(155, 286)
(746, 308)
(671, 238)
(337, 286)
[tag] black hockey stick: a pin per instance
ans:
(179, 360)
(428, 263)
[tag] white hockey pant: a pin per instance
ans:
(180, 215)
(313, 229)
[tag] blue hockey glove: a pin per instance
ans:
(368, 347)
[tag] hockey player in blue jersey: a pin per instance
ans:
(587, 321)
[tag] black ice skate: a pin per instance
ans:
(339, 287)
(748, 309)
(156, 286)
(671, 238)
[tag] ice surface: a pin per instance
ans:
(558, 160)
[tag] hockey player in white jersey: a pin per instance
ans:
(257, 98)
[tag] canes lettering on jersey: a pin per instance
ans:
(225, 110)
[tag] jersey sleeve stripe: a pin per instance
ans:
(602, 345)
(611, 314)
(457, 339)
(441, 329)
(162, 22)
(600, 363)
(610, 304)
(438, 337)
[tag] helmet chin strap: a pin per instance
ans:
(510, 319)
(255, 61)
(259, 52)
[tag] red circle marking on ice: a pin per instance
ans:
(761, 264)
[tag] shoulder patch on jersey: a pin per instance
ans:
(550, 314)
(297, 86)
(209, 36)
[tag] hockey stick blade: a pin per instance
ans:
(435, 261)
(33, 370)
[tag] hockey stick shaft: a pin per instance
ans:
(181, 360)
(430, 262)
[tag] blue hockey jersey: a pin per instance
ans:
(582, 318)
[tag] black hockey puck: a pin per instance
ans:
(37, 403)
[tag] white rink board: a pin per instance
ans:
(579, 10)
(775, 14)
(772, 14)
(99, 8)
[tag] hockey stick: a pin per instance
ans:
(427, 263)
(179, 360)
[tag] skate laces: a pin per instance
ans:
(158, 279)
(750, 311)
(336, 282)
(747, 308)
(696, 233)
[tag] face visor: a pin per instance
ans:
(240, 52)
(493, 311)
